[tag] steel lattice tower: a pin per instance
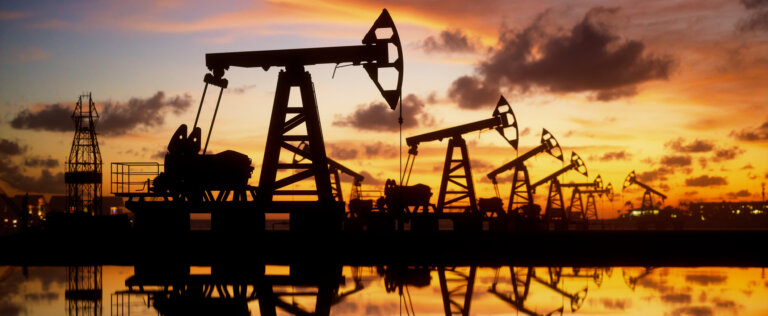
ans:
(83, 176)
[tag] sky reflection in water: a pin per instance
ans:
(609, 291)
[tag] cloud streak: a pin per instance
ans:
(695, 146)
(116, 118)
(450, 41)
(705, 181)
(377, 116)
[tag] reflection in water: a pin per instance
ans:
(83, 293)
(382, 290)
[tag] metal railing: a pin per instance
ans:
(133, 177)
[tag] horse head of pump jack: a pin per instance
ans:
(504, 111)
(598, 182)
(609, 192)
(629, 180)
(552, 146)
(379, 35)
(578, 164)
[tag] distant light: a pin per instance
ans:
(113, 209)
(14, 221)
(5, 220)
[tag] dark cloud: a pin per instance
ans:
(758, 16)
(115, 118)
(693, 311)
(656, 174)
(379, 149)
(690, 193)
(705, 279)
(47, 182)
(377, 116)
(676, 161)
(705, 181)
(738, 194)
(616, 155)
(451, 41)
(695, 146)
(370, 179)
(619, 304)
(339, 151)
(481, 166)
(725, 303)
(11, 148)
(759, 133)
(723, 154)
(34, 162)
(121, 118)
(472, 93)
(658, 285)
(588, 58)
(525, 132)
(52, 117)
(748, 166)
(679, 298)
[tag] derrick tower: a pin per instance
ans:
(83, 176)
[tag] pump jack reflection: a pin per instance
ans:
(172, 290)
(522, 277)
(227, 290)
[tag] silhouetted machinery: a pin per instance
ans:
(521, 197)
(576, 299)
(228, 290)
(647, 195)
(193, 177)
(373, 55)
(457, 172)
(456, 287)
(555, 209)
(632, 280)
(521, 283)
(576, 210)
(590, 209)
(336, 169)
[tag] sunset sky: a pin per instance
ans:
(676, 90)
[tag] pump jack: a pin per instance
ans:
(522, 192)
(590, 210)
(302, 152)
(647, 195)
(373, 55)
(503, 117)
(576, 210)
(555, 209)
